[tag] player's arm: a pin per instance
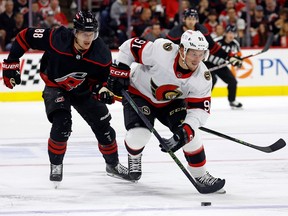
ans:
(133, 50)
(28, 38)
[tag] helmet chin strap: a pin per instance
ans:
(183, 59)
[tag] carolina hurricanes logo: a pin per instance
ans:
(72, 80)
(165, 92)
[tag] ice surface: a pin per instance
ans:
(256, 182)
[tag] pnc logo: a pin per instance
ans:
(245, 70)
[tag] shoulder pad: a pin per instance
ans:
(202, 29)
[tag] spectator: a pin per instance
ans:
(22, 7)
(185, 4)
(212, 21)
(271, 10)
(203, 10)
(140, 24)
(252, 6)
(157, 10)
(219, 31)
(2, 6)
(36, 15)
(282, 36)
(171, 9)
(7, 22)
(277, 25)
(258, 17)
(261, 36)
(154, 32)
(118, 8)
(19, 26)
(233, 19)
(118, 23)
(49, 21)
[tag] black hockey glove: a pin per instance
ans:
(11, 73)
(236, 61)
(103, 94)
(118, 78)
(182, 136)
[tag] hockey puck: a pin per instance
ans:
(205, 203)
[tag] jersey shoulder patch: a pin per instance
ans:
(167, 46)
(207, 75)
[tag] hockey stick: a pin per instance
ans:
(200, 188)
(266, 47)
(268, 149)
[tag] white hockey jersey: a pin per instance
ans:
(156, 78)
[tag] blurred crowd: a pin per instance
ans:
(151, 19)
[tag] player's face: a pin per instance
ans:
(190, 22)
(229, 36)
(85, 39)
(193, 58)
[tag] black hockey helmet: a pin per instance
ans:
(231, 28)
(85, 21)
(190, 12)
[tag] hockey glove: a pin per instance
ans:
(118, 78)
(11, 73)
(103, 94)
(182, 136)
(236, 61)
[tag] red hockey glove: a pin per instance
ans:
(11, 73)
(103, 94)
(118, 78)
(182, 136)
(236, 61)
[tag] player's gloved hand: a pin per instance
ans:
(182, 136)
(103, 94)
(11, 73)
(236, 61)
(118, 78)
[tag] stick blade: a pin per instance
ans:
(278, 145)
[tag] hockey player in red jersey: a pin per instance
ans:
(75, 67)
(172, 84)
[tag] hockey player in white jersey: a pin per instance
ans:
(172, 84)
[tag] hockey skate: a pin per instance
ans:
(118, 171)
(134, 166)
(208, 180)
(56, 174)
(235, 105)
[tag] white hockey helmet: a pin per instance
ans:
(194, 40)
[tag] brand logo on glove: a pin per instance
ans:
(119, 73)
(11, 66)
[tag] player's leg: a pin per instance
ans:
(172, 116)
(59, 114)
(97, 115)
(137, 135)
(226, 75)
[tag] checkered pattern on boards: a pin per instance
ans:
(30, 72)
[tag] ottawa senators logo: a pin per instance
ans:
(167, 46)
(207, 75)
(165, 92)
